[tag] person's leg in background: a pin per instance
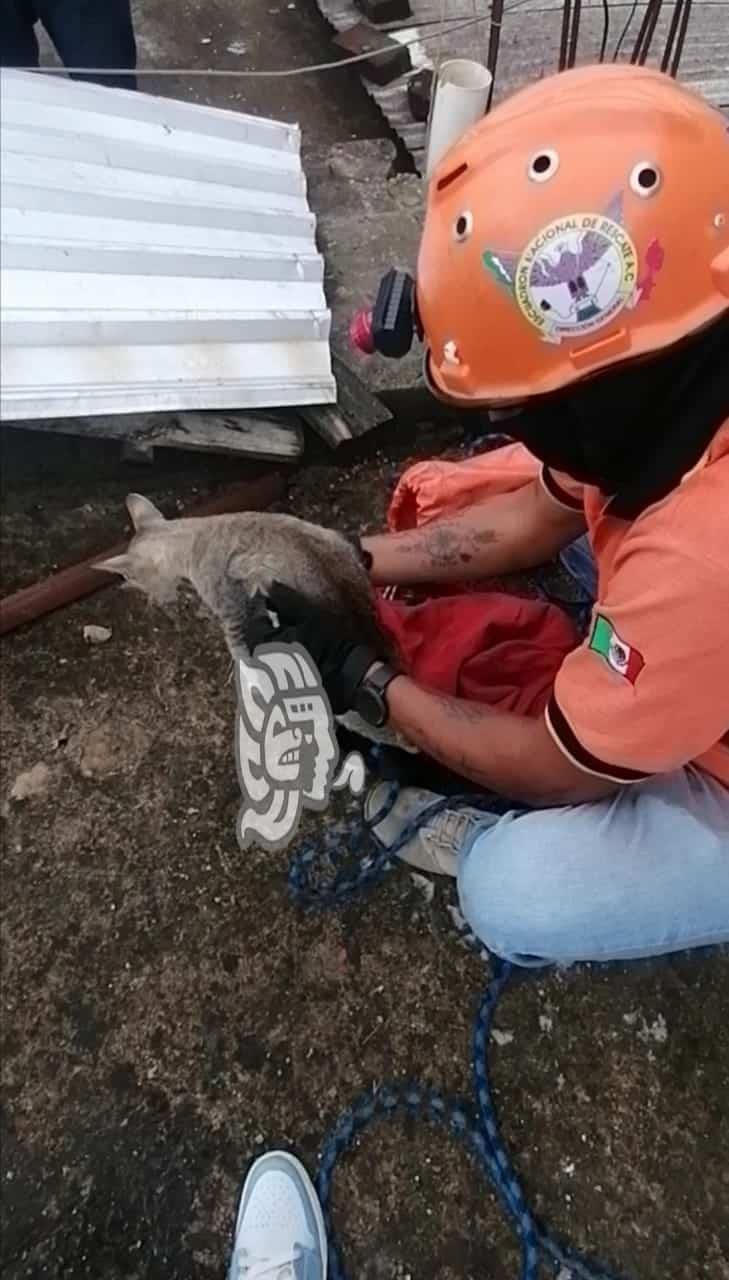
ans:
(643, 873)
(578, 563)
(92, 33)
(19, 46)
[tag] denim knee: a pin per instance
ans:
(505, 895)
(642, 872)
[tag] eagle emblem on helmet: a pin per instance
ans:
(576, 274)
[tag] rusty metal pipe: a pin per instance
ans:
(79, 580)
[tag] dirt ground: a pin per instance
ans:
(167, 1012)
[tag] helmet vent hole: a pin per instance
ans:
(463, 226)
(645, 179)
(543, 165)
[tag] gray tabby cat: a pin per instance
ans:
(228, 559)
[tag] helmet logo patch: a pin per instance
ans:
(575, 275)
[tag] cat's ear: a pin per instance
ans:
(115, 564)
(143, 512)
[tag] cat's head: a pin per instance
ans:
(152, 561)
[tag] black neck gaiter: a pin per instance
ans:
(636, 430)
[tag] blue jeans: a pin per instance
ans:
(579, 562)
(642, 873)
(86, 33)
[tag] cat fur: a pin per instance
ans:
(230, 560)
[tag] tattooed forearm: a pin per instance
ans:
(459, 709)
(486, 539)
(471, 545)
(441, 735)
(446, 544)
(512, 755)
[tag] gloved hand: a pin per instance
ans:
(341, 657)
(365, 556)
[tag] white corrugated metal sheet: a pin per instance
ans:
(155, 256)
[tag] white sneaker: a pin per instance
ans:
(279, 1231)
(436, 845)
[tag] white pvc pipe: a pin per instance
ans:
(459, 100)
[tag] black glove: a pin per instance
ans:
(341, 657)
(365, 556)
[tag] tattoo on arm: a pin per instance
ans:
(430, 739)
(447, 544)
(459, 709)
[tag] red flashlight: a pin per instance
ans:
(360, 332)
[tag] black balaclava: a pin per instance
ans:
(635, 431)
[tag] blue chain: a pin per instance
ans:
(478, 1132)
(372, 862)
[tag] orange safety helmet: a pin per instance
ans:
(583, 223)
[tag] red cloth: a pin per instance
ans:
(488, 647)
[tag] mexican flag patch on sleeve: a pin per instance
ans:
(623, 658)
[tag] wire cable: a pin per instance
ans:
(605, 29)
(452, 26)
(624, 33)
(245, 73)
